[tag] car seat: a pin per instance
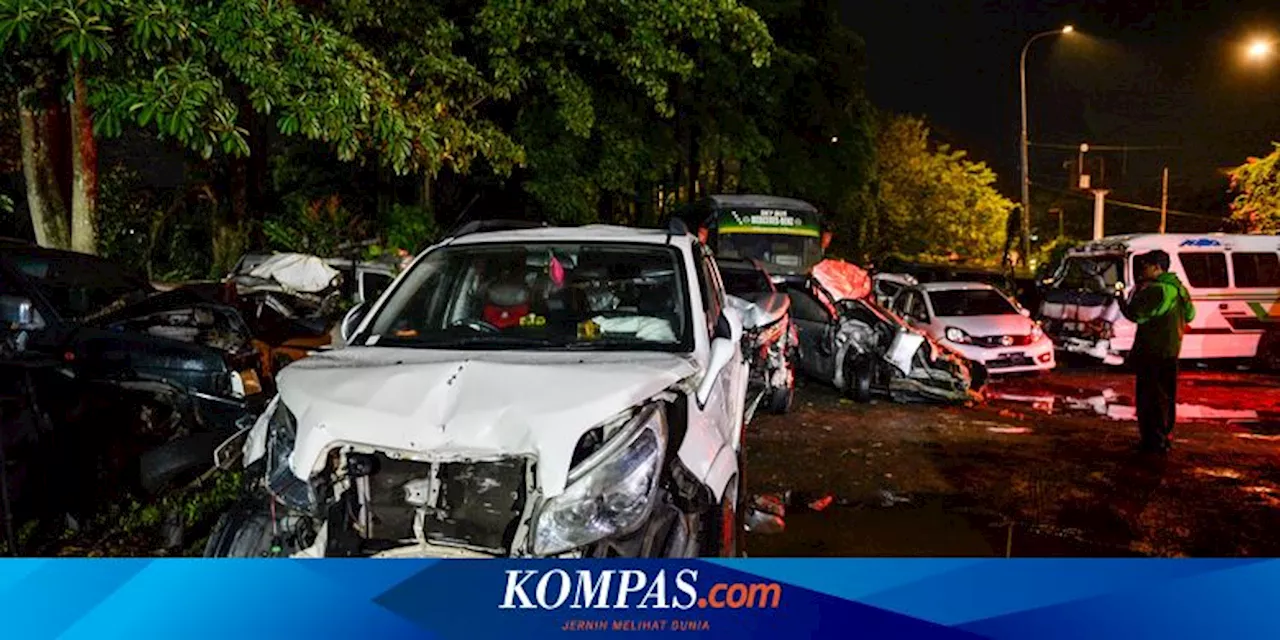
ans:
(505, 304)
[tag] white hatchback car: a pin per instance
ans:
(574, 391)
(980, 323)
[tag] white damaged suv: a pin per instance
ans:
(553, 391)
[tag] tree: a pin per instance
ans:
(187, 70)
(933, 201)
(1257, 203)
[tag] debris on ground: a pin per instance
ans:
(1009, 430)
(822, 503)
(764, 523)
(771, 504)
(889, 498)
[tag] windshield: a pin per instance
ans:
(562, 295)
(745, 283)
(78, 286)
(970, 302)
(1094, 273)
(784, 253)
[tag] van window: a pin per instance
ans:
(1256, 270)
(1205, 270)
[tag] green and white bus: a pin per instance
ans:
(784, 234)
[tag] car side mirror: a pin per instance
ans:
(351, 321)
(725, 344)
(18, 314)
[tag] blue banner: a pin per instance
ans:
(839, 598)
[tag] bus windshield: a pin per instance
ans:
(1097, 274)
(787, 242)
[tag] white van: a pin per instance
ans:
(1234, 281)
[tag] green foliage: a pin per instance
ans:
(1257, 182)
(314, 226)
(408, 227)
(180, 68)
(140, 230)
(933, 200)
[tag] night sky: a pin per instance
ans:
(1167, 73)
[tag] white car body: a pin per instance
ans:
(1233, 280)
(1005, 343)
(885, 286)
(442, 406)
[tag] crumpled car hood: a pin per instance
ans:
(467, 404)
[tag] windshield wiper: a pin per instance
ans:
(467, 341)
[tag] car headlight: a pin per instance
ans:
(1036, 332)
(287, 488)
(610, 492)
(956, 335)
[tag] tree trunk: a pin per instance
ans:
(720, 173)
(84, 170)
(39, 118)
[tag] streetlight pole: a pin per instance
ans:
(1026, 179)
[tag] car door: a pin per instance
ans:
(725, 405)
(815, 328)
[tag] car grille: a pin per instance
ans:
(469, 504)
(998, 341)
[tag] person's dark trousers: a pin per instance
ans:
(1157, 399)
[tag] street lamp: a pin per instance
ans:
(1260, 49)
(1026, 180)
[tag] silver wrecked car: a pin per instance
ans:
(850, 341)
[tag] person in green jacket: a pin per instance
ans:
(1162, 309)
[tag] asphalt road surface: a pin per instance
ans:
(1045, 467)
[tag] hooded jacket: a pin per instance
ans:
(1162, 310)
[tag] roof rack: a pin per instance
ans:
(479, 226)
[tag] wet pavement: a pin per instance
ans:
(1045, 467)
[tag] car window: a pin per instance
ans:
(888, 289)
(804, 306)
(970, 302)
(1256, 270)
(746, 282)
(373, 284)
(712, 292)
(916, 307)
(1207, 270)
(599, 296)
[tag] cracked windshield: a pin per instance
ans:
(496, 296)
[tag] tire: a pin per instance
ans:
(780, 400)
(721, 530)
(857, 378)
(1268, 358)
(242, 532)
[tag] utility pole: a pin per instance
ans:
(1164, 198)
(1099, 209)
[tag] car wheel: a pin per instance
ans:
(857, 377)
(780, 400)
(242, 532)
(721, 534)
(1268, 358)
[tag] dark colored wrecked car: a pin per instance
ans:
(137, 387)
(851, 342)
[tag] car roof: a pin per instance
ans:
(955, 286)
(584, 233)
(760, 201)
